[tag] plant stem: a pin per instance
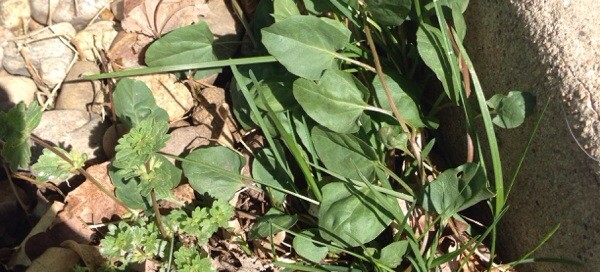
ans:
(87, 175)
(159, 222)
(12, 187)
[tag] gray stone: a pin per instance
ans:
(551, 48)
(15, 15)
(49, 56)
(95, 39)
(183, 140)
(15, 89)
(81, 95)
(73, 130)
(78, 13)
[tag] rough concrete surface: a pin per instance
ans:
(551, 48)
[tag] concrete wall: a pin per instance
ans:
(551, 48)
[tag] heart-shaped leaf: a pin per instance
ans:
(134, 102)
(511, 109)
(352, 215)
(305, 45)
(344, 154)
(336, 102)
(214, 170)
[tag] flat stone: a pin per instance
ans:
(15, 15)
(183, 140)
(72, 130)
(49, 56)
(15, 89)
(81, 95)
(171, 95)
(94, 39)
(550, 48)
(79, 13)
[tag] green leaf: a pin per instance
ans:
(305, 45)
(456, 189)
(214, 170)
(352, 215)
(389, 12)
(336, 102)
(52, 167)
(266, 169)
(137, 146)
(394, 138)
(185, 45)
(275, 83)
(511, 109)
(343, 154)
(317, 6)
(406, 105)
(127, 190)
(134, 102)
(392, 254)
(15, 130)
(307, 249)
(430, 47)
(263, 228)
(284, 9)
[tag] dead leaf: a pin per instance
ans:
(154, 18)
(89, 254)
(55, 259)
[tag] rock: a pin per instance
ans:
(185, 139)
(127, 50)
(15, 89)
(15, 15)
(82, 95)
(51, 57)
(79, 13)
(172, 96)
(110, 139)
(94, 39)
(224, 24)
(214, 115)
(72, 130)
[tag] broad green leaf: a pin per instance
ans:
(456, 189)
(137, 146)
(511, 109)
(214, 170)
(51, 167)
(430, 47)
(127, 191)
(389, 12)
(336, 102)
(307, 249)
(16, 126)
(266, 169)
(459, 21)
(263, 226)
(344, 153)
(352, 215)
(275, 83)
(134, 102)
(392, 254)
(394, 138)
(317, 6)
(305, 45)
(406, 105)
(185, 45)
(284, 9)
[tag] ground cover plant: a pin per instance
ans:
(345, 97)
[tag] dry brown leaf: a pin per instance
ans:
(90, 204)
(89, 254)
(154, 18)
(55, 259)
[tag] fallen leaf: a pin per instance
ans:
(89, 254)
(55, 259)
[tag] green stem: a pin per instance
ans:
(159, 222)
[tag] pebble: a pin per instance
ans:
(183, 140)
(96, 38)
(15, 89)
(81, 95)
(172, 96)
(51, 57)
(79, 13)
(72, 130)
(15, 15)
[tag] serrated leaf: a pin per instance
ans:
(456, 189)
(16, 128)
(284, 9)
(352, 215)
(214, 170)
(305, 45)
(511, 109)
(406, 105)
(263, 225)
(307, 249)
(430, 47)
(392, 254)
(134, 102)
(51, 167)
(266, 169)
(137, 146)
(344, 154)
(336, 102)
(389, 12)
(185, 45)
